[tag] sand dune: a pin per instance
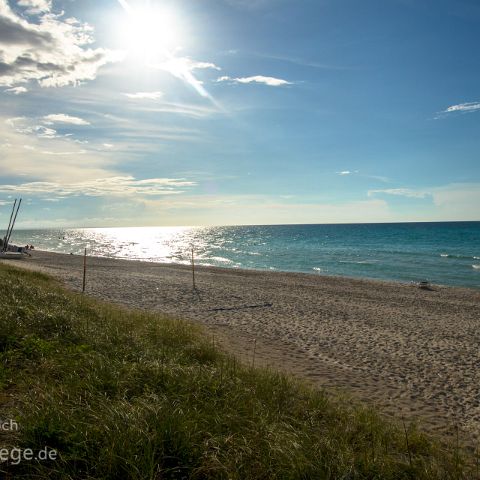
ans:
(413, 352)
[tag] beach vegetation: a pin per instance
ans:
(122, 394)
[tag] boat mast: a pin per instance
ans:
(13, 223)
(8, 228)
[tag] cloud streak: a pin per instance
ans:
(145, 95)
(64, 118)
(463, 107)
(16, 90)
(400, 192)
(183, 68)
(118, 186)
(269, 81)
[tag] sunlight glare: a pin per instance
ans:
(150, 32)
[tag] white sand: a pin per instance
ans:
(412, 352)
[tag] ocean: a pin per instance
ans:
(446, 253)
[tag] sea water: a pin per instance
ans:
(444, 253)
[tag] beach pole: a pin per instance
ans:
(84, 269)
(408, 444)
(193, 270)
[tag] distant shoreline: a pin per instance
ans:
(257, 225)
(408, 350)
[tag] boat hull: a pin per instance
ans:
(11, 255)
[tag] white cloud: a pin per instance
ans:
(65, 154)
(118, 186)
(45, 132)
(16, 90)
(27, 126)
(108, 145)
(46, 48)
(463, 107)
(36, 6)
(270, 81)
(344, 172)
(145, 95)
(12, 122)
(401, 192)
(63, 118)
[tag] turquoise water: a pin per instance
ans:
(444, 253)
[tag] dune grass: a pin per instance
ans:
(122, 394)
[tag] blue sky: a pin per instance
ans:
(211, 112)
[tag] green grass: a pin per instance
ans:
(124, 394)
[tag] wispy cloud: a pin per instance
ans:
(303, 62)
(183, 109)
(463, 107)
(118, 186)
(28, 126)
(42, 46)
(183, 68)
(16, 90)
(64, 118)
(455, 201)
(401, 192)
(42, 128)
(145, 95)
(270, 81)
(39, 152)
(356, 173)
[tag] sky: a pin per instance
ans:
(224, 112)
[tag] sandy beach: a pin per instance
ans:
(412, 352)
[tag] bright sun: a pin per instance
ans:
(150, 32)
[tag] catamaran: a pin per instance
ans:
(7, 250)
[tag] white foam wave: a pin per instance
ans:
(476, 267)
(460, 257)
(359, 262)
(221, 259)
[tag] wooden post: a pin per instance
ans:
(193, 270)
(408, 444)
(84, 269)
